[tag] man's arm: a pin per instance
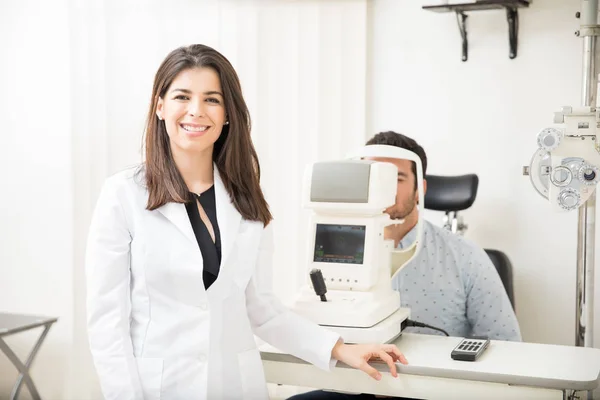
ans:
(489, 310)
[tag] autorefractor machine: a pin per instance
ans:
(350, 264)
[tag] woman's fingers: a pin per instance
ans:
(397, 354)
(365, 367)
(390, 362)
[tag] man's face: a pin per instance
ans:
(406, 196)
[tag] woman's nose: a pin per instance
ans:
(196, 109)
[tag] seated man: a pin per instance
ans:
(451, 283)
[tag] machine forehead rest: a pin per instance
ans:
(451, 193)
(341, 182)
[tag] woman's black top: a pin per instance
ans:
(211, 251)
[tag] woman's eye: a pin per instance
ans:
(213, 100)
(181, 97)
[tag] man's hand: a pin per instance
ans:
(358, 356)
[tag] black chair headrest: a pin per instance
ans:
(451, 193)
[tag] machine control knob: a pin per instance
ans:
(316, 277)
(549, 139)
(561, 176)
(568, 199)
(588, 174)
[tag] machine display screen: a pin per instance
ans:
(344, 244)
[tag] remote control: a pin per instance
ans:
(469, 349)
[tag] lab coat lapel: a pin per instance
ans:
(177, 214)
(228, 217)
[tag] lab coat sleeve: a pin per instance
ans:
(275, 324)
(108, 304)
(489, 310)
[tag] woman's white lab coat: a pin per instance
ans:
(155, 332)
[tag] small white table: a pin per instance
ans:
(506, 370)
(15, 323)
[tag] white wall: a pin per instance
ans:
(36, 218)
(482, 117)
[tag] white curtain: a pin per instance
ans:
(302, 65)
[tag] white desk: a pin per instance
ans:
(505, 370)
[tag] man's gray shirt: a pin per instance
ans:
(452, 284)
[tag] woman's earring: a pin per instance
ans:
(226, 123)
(159, 117)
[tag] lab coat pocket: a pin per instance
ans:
(150, 371)
(252, 375)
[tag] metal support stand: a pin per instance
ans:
(454, 222)
(586, 221)
(24, 368)
(587, 213)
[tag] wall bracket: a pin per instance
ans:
(512, 17)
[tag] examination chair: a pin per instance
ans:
(451, 194)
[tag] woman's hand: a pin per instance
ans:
(358, 356)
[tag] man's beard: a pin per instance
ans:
(404, 211)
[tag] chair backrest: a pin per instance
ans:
(504, 268)
(451, 193)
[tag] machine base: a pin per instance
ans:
(347, 308)
(383, 332)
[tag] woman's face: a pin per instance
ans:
(193, 110)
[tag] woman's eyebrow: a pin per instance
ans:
(207, 93)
